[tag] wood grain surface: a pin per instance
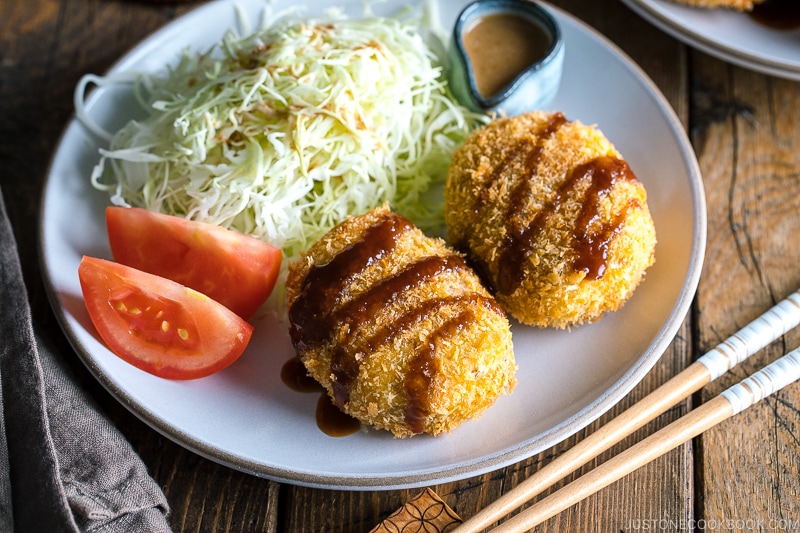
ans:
(748, 145)
(745, 128)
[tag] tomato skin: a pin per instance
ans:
(234, 269)
(158, 325)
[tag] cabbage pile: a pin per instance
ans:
(283, 133)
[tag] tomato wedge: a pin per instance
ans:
(236, 270)
(158, 325)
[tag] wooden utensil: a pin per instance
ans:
(734, 400)
(759, 333)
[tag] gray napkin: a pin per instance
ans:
(63, 465)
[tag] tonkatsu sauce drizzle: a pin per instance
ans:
(589, 249)
(318, 315)
(363, 307)
(525, 150)
(422, 370)
(346, 320)
(424, 311)
(324, 285)
(516, 247)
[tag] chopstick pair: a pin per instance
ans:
(735, 349)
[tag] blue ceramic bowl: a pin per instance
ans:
(533, 88)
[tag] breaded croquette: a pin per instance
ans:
(397, 328)
(551, 216)
(738, 5)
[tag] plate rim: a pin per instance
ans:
(742, 58)
(425, 476)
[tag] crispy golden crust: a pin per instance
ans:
(517, 181)
(738, 5)
(473, 361)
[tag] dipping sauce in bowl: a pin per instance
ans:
(500, 47)
(505, 56)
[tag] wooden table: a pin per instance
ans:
(745, 127)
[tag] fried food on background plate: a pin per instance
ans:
(397, 328)
(552, 217)
(738, 5)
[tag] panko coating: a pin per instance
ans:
(397, 327)
(552, 217)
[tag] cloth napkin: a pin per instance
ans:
(64, 467)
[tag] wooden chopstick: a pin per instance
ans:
(759, 333)
(746, 393)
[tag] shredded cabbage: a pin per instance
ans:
(284, 133)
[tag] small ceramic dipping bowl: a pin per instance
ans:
(505, 56)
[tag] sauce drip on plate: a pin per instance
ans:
(500, 47)
(295, 376)
(330, 419)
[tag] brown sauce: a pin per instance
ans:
(422, 370)
(317, 315)
(360, 310)
(295, 376)
(330, 419)
(589, 250)
(777, 14)
(516, 249)
(324, 285)
(500, 47)
(424, 311)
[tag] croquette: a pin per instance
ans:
(551, 216)
(397, 328)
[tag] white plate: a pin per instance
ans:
(728, 35)
(246, 418)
